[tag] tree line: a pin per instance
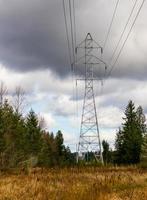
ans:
(23, 141)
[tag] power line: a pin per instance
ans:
(109, 29)
(75, 61)
(122, 34)
(69, 47)
(77, 109)
(74, 17)
(72, 33)
(126, 38)
(72, 42)
(67, 34)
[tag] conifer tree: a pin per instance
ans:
(59, 143)
(47, 156)
(11, 135)
(22, 139)
(106, 152)
(119, 146)
(129, 139)
(33, 137)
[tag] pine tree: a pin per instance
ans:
(129, 139)
(59, 143)
(131, 136)
(48, 154)
(33, 137)
(11, 134)
(68, 157)
(119, 142)
(46, 151)
(106, 152)
(22, 139)
(20, 130)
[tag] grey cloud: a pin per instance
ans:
(33, 36)
(119, 92)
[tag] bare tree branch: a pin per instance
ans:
(3, 92)
(19, 100)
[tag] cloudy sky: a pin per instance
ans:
(34, 55)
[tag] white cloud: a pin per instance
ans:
(52, 97)
(49, 121)
(110, 117)
(108, 135)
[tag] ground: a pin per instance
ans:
(84, 183)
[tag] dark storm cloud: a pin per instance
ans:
(33, 36)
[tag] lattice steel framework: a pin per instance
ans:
(89, 140)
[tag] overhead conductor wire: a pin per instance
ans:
(122, 34)
(75, 40)
(106, 39)
(68, 42)
(130, 30)
(72, 34)
(67, 35)
(109, 29)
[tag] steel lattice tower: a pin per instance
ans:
(89, 140)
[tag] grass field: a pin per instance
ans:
(88, 183)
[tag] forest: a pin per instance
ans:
(25, 143)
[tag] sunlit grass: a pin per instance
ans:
(89, 183)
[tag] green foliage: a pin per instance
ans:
(11, 134)
(106, 152)
(144, 152)
(59, 144)
(33, 138)
(24, 144)
(22, 140)
(129, 139)
(47, 155)
(54, 152)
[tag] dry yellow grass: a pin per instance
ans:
(88, 183)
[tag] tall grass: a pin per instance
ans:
(83, 183)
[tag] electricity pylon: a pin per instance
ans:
(89, 141)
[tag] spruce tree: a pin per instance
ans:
(33, 137)
(47, 156)
(21, 139)
(119, 146)
(59, 143)
(11, 136)
(106, 152)
(129, 139)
